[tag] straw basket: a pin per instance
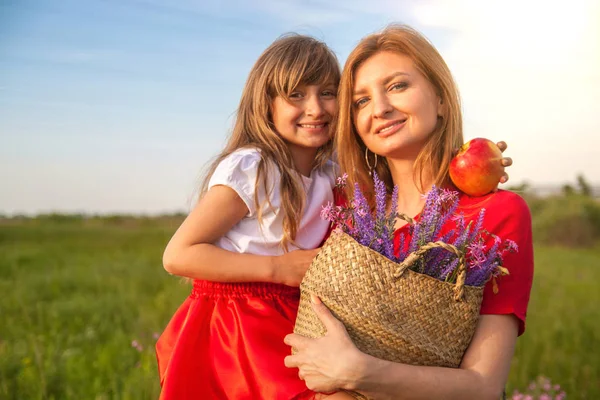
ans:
(390, 311)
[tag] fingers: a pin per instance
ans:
(324, 315)
(502, 146)
(292, 361)
(506, 161)
(297, 341)
(504, 178)
(301, 374)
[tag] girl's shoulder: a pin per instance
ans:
(238, 169)
(246, 155)
(246, 160)
(332, 170)
(332, 166)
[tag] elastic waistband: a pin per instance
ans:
(255, 289)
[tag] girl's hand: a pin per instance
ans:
(290, 268)
(328, 363)
(506, 161)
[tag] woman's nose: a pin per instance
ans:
(381, 106)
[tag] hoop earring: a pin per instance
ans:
(368, 163)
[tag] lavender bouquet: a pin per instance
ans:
(412, 299)
(375, 230)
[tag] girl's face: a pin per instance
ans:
(395, 108)
(304, 120)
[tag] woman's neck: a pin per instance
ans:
(410, 198)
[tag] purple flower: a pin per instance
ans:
(447, 271)
(401, 244)
(478, 225)
(461, 239)
(438, 257)
(365, 224)
(375, 228)
(380, 196)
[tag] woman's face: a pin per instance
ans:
(395, 108)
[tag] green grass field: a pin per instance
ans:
(75, 294)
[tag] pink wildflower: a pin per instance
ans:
(341, 180)
(326, 211)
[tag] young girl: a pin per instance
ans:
(253, 233)
(399, 103)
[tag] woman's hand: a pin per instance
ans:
(328, 363)
(506, 161)
(290, 268)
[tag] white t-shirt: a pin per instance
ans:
(238, 171)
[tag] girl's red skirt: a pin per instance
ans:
(226, 342)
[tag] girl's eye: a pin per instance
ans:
(328, 93)
(295, 95)
(399, 86)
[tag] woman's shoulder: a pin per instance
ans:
(504, 201)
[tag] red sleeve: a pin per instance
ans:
(507, 215)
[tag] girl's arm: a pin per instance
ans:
(333, 362)
(191, 251)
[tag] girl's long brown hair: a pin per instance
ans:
(434, 159)
(290, 61)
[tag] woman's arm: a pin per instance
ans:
(333, 362)
(191, 251)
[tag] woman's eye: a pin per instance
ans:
(361, 102)
(399, 86)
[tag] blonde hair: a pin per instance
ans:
(290, 61)
(435, 156)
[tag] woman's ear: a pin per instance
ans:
(441, 107)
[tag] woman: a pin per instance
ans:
(400, 114)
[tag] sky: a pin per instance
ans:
(115, 106)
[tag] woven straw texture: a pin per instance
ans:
(390, 312)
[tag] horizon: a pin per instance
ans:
(114, 107)
(540, 191)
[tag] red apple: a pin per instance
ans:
(477, 167)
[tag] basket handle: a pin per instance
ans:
(416, 255)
